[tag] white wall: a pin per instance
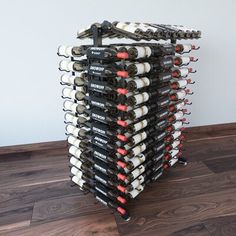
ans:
(30, 103)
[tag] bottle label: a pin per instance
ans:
(99, 141)
(165, 77)
(97, 70)
(140, 111)
(158, 148)
(157, 176)
(167, 49)
(164, 90)
(99, 128)
(142, 82)
(164, 102)
(141, 52)
(103, 170)
(159, 157)
(100, 154)
(98, 52)
(98, 86)
(163, 114)
(101, 200)
(101, 180)
(161, 136)
(98, 115)
(101, 191)
(140, 125)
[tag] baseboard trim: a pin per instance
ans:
(192, 133)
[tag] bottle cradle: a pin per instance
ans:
(125, 108)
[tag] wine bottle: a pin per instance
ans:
(146, 96)
(70, 66)
(75, 120)
(183, 61)
(79, 107)
(78, 80)
(185, 48)
(71, 51)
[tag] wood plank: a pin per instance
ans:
(208, 149)
(99, 224)
(210, 131)
(33, 147)
(221, 226)
(194, 230)
(222, 164)
(11, 199)
(66, 207)
(37, 176)
(20, 214)
(33, 160)
(192, 170)
(169, 189)
(41, 167)
(171, 216)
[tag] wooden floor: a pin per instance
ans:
(199, 199)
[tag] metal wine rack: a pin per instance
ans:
(125, 107)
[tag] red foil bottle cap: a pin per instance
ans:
(121, 210)
(122, 200)
(121, 188)
(166, 157)
(174, 74)
(122, 73)
(177, 48)
(176, 62)
(171, 108)
(122, 55)
(122, 107)
(122, 137)
(121, 176)
(122, 91)
(122, 151)
(121, 164)
(122, 123)
(165, 166)
(168, 148)
(173, 97)
(189, 81)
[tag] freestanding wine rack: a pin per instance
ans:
(125, 107)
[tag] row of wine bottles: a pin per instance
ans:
(138, 31)
(130, 52)
(125, 108)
